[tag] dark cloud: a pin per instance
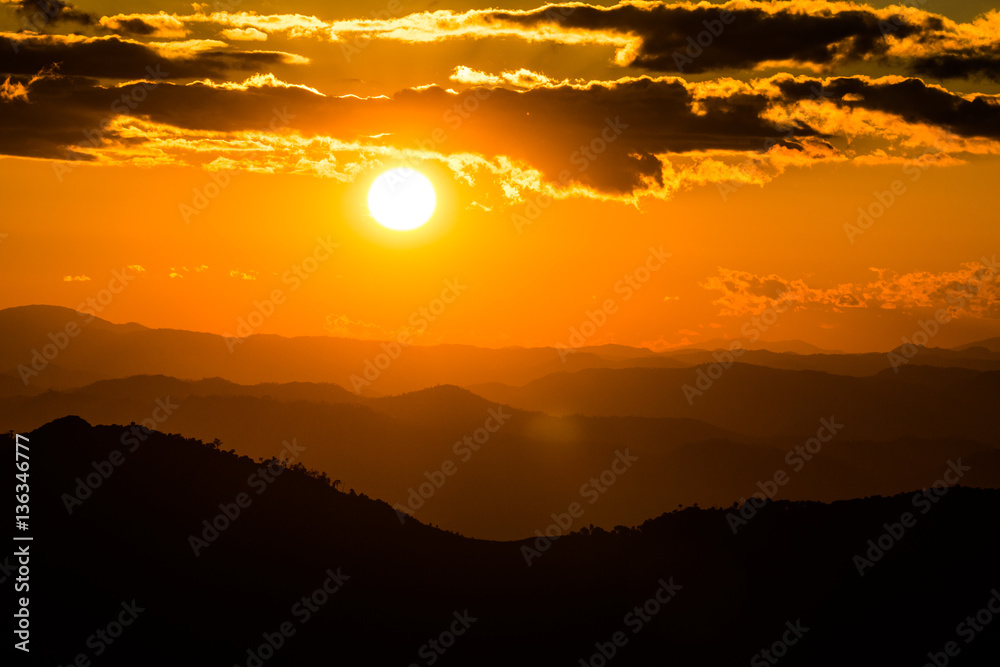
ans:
(603, 137)
(115, 58)
(66, 111)
(37, 14)
(135, 26)
(911, 99)
(694, 39)
(67, 108)
(698, 39)
(965, 64)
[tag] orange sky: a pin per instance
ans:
(749, 168)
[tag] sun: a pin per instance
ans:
(402, 199)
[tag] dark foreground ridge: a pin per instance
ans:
(306, 574)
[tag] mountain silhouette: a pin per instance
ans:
(126, 551)
(992, 345)
(508, 484)
(919, 401)
(39, 354)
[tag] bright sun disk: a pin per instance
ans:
(402, 199)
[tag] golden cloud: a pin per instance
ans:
(973, 289)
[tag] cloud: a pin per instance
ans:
(162, 25)
(38, 14)
(292, 25)
(958, 51)
(342, 326)
(693, 38)
(521, 78)
(182, 271)
(625, 139)
(117, 58)
(243, 275)
(678, 38)
(244, 34)
(245, 24)
(910, 99)
(257, 81)
(418, 27)
(13, 91)
(78, 279)
(973, 289)
(967, 64)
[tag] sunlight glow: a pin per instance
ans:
(402, 199)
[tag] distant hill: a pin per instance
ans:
(534, 463)
(102, 350)
(28, 319)
(397, 587)
(387, 446)
(779, 346)
(919, 401)
(857, 365)
(990, 344)
(37, 349)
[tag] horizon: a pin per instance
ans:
(761, 343)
